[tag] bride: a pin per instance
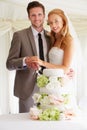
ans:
(62, 52)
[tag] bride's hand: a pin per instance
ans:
(38, 61)
(71, 73)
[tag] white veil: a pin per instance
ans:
(77, 62)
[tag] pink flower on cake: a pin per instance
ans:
(69, 114)
(55, 100)
(34, 113)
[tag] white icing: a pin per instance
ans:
(53, 72)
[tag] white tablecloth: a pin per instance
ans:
(22, 122)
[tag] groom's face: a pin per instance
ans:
(36, 16)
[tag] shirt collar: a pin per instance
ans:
(35, 32)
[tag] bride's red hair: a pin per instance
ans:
(65, 34)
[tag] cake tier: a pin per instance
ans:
(53, 72)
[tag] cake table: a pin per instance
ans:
(22, 122)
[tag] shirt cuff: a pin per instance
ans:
(24, 64)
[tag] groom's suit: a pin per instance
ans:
(23, 45)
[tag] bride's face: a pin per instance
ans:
(55, 22)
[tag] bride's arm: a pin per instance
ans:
(53, 66)
(68, 54)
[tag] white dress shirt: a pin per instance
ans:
(35, 34)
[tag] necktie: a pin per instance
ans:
(41, 53)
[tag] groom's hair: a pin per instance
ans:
(34, 4)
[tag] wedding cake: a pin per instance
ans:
(54, 101)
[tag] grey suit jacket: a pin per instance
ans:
(23, 45)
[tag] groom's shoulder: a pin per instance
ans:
(23, 32)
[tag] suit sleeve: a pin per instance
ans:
(14, 60)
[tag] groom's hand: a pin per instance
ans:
(71, 73)
(31, 64)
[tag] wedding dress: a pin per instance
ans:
(56, 57)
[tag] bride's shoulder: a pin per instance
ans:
(68, 39)
(69, 42)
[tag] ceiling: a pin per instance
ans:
(76, 10)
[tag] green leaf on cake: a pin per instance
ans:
(42, 81)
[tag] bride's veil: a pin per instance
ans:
(77, 65)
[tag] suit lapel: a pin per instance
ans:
(32, 42)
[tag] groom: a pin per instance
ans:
(24, 45)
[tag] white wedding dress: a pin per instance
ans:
(56, 57)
